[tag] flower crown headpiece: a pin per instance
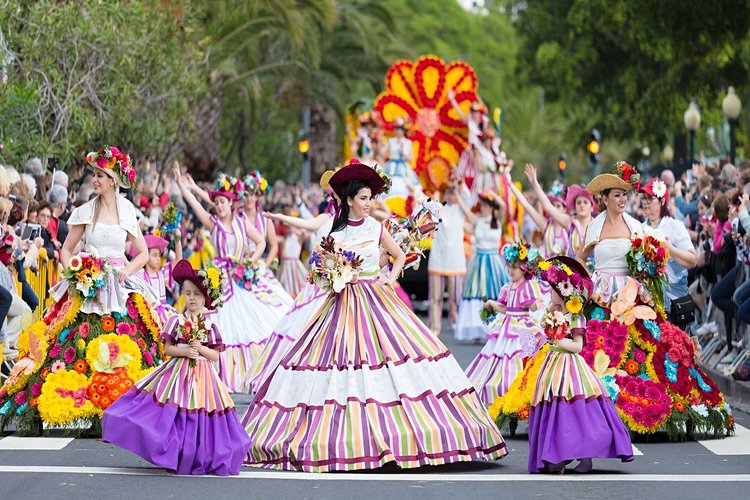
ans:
(213, 279)
(229, 184)
(573, 288)
(558, 189)
(523, 255)
(387, 182)
(111, 158)
(256, 183)
(628, 174)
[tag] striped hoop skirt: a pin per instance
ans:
(308, 301)
(513, 337)
(485, 277)
(571, 416)
(366, 383)
(292, 275)
(180, 418)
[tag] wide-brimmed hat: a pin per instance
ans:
(574, 192)
(325, 179)
(356, 171)
(602, 182)
(229, 187)
(568, 278)
(656, 187)
(115, 164)
(210, 281)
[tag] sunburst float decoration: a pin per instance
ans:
(418, 92)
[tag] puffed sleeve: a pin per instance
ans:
(170, 330)
(578, 324)
(503, 297)
(128, 216)
(214, 341)
(82, 215)
(530, 292)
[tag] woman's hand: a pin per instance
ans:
(272, 216)
(384, 280)
(193, 353)
(530, 171)
(122, 274)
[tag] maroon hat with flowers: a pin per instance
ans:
(356, 171)
(210, 281)
(569, 279)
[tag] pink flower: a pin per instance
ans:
(83, 330)
(114, 351)
(248, 285)
(131, 175)
(101, 162)
(20, 398)
(639, 355)
(114, 151)
(132, 311)
(36, 389)
(57, 365)
(123, 329)
(148, 359)
(674, 354)
(575, 280)
(70, 355)
(55, 351)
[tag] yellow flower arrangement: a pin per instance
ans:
(545, 265)
(81, 344)
(522, 253)
(213, 276)
(102, 358)
(64, 398)
(70, 316)
(521, 390)
(39, 330)
(574, 305)
(567, 270)
(148, 319)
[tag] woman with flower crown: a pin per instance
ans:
(252, 309)
(515, 334)
(366, 382)
(486, 272)
(100, 334)
(400, 156)
(571, 416)
(658, 383)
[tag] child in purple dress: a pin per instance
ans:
(181, 417)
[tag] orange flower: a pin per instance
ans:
(115, 393)
(523, 413)
(105, 401)
(108, 323)
(33, 401)
(81, 366)
(631, 367)
(679, 406)
(95, 398)
(44, 374)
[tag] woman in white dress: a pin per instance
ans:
(398, 166)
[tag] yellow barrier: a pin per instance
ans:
(47, 275)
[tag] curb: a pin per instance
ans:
(738, 392)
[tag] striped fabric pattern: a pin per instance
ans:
(435, 288)
(188, 388)
(236, 361)
(566, 376)
(292, 275)
(377, 387)
(485, 276)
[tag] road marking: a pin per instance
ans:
(410, 477)
(739, 444)
(636, 451)
(34, 443)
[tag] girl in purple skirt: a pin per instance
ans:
(181, 417)
(571, 415)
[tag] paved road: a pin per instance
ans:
(60, 467)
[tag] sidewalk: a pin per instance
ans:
(736, 391)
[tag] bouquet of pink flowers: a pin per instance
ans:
(333, 268)
(246, 273)
(190, 330)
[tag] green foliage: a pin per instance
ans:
(88, 73)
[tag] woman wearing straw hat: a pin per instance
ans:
(366, 382)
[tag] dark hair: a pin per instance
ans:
(721, 208)
(350, 191)
(495, 207)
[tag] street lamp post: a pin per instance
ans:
(731, 106)
(692, 119)
(668, 155)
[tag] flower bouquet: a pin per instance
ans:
(189, 331)
(333, 268)
(629, 174)
(647, 262)
(172, 217)
(245, 273)
(555, 325)
(87, 274)
(487, 315)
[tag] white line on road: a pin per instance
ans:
(739, 444)
(636, 451)
(34, 443)
(353, 476)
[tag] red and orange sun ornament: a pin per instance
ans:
(417, 91)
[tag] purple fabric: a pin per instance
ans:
(185, 443)
(571, 430)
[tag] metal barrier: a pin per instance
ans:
(45, 277)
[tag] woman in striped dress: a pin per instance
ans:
(180, 416)
(366, 382)
(248, 316)
(571, 415)
(159, 275)
(487, 273)
(292, 272)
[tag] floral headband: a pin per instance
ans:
(558, 189)
(228, 184)
(112, 159)
(213, 281)
(574, 289)
(628, 174)
(256, 183)
(523, 255)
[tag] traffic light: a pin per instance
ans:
(304, 147)
(593, 147)
(562, 165)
